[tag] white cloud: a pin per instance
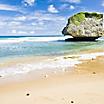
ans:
(22, 32)
(40, 22)
(29, 2)
(42, 16)
(14, 23)
(102, 3)
(2, 23)
(71, 1)
(7, 7)
(32, 32)
(14, 31)
(52, 9)
(33, 24)
(72, 7)
(20, 18)
(46, 23)
(66, 6)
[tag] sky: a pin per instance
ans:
(41, 17)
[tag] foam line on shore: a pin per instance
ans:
(41, 66)
(91, 55)
(58, 63)
(35, 39)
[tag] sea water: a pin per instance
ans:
(18, 46)
(24, 46)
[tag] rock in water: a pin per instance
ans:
(84, 26)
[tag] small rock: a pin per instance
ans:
(27, 94)
(46, 76)
(94, 73)
(72, 101)
(92, 58)
(65, 57)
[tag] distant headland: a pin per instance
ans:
(84, 26)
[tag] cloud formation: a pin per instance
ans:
(66, 6)
(72, 7)
(52, 9)
(102, 3)
(71, 1)
(7, 7)
(39, 22)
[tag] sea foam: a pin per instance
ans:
(55, 64)
(32, 39)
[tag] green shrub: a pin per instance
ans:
(78, 18)
(96, 15)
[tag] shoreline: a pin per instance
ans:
(83, 84)
(48, 66)
(80, 86)
(45, 64)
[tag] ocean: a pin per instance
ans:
(14, 47)
(18, 46)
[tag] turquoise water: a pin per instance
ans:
(24, 46)
(13, 47)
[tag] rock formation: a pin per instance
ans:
(84, 26)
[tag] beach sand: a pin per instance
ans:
(83, 85)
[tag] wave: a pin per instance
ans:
(32, 39)
(35, 39)
(102, 38)
(60, 63)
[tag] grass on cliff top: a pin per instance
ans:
(94, 14)
(78, 18)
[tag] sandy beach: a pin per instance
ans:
(83, 85)
(51, 51)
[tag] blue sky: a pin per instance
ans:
(41, 17)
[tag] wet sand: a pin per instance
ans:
(83, 85)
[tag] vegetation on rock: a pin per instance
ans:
(77, 19)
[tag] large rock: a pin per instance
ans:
(84, 26)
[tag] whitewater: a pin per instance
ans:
(60, 54)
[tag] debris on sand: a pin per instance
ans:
(46, 76)
(27, 94)
(72, 101)
(94, 73)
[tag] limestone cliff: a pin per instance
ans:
(84, 25)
